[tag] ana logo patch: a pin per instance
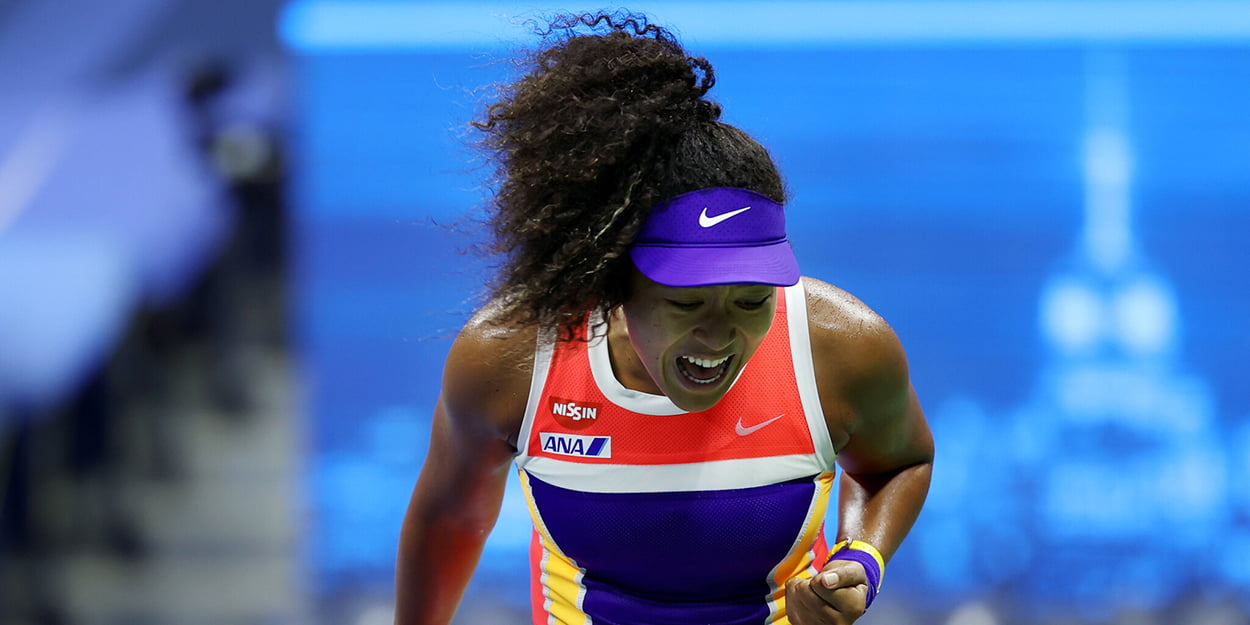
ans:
(576, 445)
(572, 414)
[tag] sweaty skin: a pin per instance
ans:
(873, 417)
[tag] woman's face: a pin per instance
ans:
(693, 341)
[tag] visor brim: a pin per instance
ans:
(682, 266)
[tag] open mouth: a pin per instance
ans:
(702, 370)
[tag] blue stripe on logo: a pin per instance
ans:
(596, 446)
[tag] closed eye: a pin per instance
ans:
(685, 305)
(754, 304)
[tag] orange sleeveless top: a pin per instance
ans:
(644, 513)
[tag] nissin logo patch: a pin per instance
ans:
(575, 445)
(572, 414)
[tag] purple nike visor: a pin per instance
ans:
(718, 235)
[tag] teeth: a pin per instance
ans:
(706, 364)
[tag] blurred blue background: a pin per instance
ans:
(1048, 201)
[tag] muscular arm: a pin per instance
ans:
(457, 497)
(888, 460)
(883, 441)
(881, 494)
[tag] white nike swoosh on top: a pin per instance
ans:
(708, 222)
(743, 431)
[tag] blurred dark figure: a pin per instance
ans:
(228, 318)
(240, 304)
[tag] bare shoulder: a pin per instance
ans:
(486, 379)
(858, 358)
(865, 342)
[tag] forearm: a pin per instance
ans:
(881, 508)
(437, 556)
(453, 508)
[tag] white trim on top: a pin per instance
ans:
(805, 374)
(538, 380)
(660, 478)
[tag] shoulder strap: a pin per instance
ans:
(805, 375)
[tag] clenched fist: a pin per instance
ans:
(835, 596)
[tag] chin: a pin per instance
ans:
(692, 402)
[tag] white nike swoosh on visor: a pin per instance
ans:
(743, 431)
(708, 222)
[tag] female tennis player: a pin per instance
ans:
(676, 399)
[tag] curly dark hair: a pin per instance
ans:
(599, 128)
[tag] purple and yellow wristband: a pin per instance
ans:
(868, 556)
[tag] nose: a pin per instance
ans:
(715, 331)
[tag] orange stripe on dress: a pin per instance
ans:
(564, 586)
(556, 581)
(537, 599)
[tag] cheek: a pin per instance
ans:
(757, 330)
(653, 347)
(642, 336)
(649, 332)
(761, 329)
